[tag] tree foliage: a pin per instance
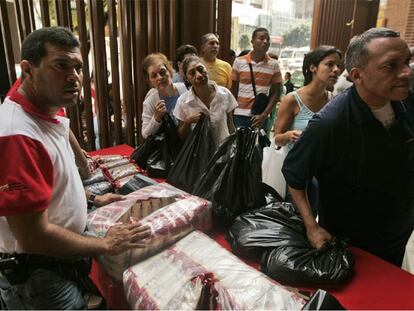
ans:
(244, 42)
(298, 36)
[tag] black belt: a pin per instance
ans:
(16, 267)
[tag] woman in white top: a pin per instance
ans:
(204, 97)
(321, 68)
(162, 98)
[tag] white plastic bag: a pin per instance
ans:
(272, 168)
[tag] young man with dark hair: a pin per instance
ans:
(182, 52)
(360, 148)
(267, 79)
(42, 201)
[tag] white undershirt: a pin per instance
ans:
(385, 114)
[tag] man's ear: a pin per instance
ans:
(26, 67)
(355, 75)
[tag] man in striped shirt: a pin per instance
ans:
(267, 78)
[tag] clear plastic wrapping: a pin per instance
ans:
(171, 214)
(197, 273)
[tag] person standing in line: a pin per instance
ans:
(219, 71)
(43, 205)
(267, 78)
(182, 52)
(360, 148)
(204, 97)
(321, 68)
(288, 83)
(163, 95)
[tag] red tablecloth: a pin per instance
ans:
(375, 285)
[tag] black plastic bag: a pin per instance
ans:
(276, 233)
(322, 300)
(158, 153)
(137, 182)
(233, 178)
(193, 157)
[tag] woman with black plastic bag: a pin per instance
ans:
(163, 95)
(204, 97)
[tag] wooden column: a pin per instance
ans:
(116, 101)
(83, 38)
(8, 46)
(100, 71)
(196, 18)
(44, 8)
(224, 28)
(126, 61)
(335, 22)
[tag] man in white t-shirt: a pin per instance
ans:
(42, 201)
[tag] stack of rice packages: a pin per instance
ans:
(109, 173)
(170, 213)
(196, 273)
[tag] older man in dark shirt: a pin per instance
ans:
(360, 148)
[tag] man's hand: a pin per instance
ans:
(258, 120)
(193, 118)
(160, 110)
(101, 200)
(121, 238)
(318, 236)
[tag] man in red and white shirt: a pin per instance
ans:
(267, 78)
(42, 201)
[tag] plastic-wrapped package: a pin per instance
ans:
(96, 176)
(118, 172)
(100, 188)
(168, 224)
(116, 163)
(107, 158)
(127, 185)
(277, 234)
(196, 273)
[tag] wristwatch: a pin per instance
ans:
(91, 200)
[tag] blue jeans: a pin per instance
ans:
(43, 289)
(244, 121)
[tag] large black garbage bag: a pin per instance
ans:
(276, 233)
(322, 300)
(233, 178)
(159, 152)
(193, 157)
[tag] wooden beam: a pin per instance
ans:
(87, 98)
(116, 101)
(44, 9)
(100, 71)
(126, 61)
(7, 40)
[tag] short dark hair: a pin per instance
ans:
(314, 57)
(182, 51)
(187, 62)
(34, 45)
(260, 29)
(357, 53)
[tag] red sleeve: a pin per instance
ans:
(26, 178)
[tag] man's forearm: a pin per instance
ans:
(302, 203)
(52, 240)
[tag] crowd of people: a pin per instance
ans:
(355, 151)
